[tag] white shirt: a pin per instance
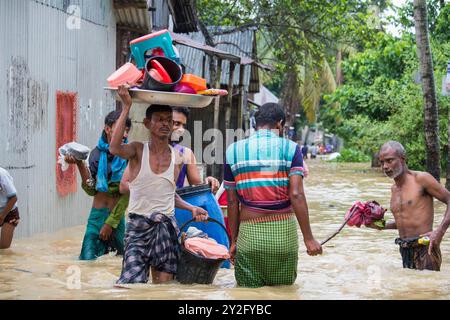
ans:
(7, 189)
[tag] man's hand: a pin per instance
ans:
(199, 214)
(125, 95)
(435, 239)
(374, 226)
(2, 218)
(313, 247)
(233, 252)
(215, 184)
(305, 170)
(106, 232)
(71, 159)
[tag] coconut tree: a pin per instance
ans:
(428, 88)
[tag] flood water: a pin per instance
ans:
(357, 264)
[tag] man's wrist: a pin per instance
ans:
(440, 231)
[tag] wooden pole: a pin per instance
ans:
(214, 170)
(230, 96)
(240, 111)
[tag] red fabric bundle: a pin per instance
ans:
(365, 213)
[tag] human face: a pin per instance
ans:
(391, 163)
(160, 124)
(110, 131)
(179, 125)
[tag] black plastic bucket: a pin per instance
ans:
(193, 268)
(172, 68)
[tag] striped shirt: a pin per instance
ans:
(259, 167)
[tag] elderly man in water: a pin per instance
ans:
(412, 197)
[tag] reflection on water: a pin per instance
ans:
(357, 264)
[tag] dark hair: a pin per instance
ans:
(112, 117)
(182, 110)
(269, 114)
(156, 108)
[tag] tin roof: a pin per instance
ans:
(241, 44)
(133, 14)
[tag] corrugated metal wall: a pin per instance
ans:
(39, 55)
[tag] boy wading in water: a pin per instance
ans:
(151, 239)
(412, 197)
(105, 229)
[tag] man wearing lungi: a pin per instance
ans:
(151, 239)
(263, 175)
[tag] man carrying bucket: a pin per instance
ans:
(151, 239)
(263, 174)
(412, 196)
(189, 170)
(105, 229)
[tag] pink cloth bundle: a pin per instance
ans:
(207, 248)
(365, 213)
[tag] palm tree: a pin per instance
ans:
(428, 88)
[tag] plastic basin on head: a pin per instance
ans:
(172, 68)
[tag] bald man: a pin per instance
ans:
(412, 197)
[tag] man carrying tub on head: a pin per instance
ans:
(412, 197)
(189, 170)
(151, 238)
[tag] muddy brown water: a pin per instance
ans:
(357, 264)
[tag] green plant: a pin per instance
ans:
(352, 155)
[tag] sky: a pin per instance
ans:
(391, 28)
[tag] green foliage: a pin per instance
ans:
(381, 100)
(352, 155)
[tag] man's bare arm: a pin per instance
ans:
(436, 190)
(116, 147)
(298, 201)
(390, 225)
(233, 213)
(192, 173)
(124, 187)
(8, 207)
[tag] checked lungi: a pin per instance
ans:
(267, 252)
(149, 242)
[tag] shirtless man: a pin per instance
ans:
(412, 205)
(152, 233)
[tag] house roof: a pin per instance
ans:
(133, 14)
(183, 15)
(238, 47)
